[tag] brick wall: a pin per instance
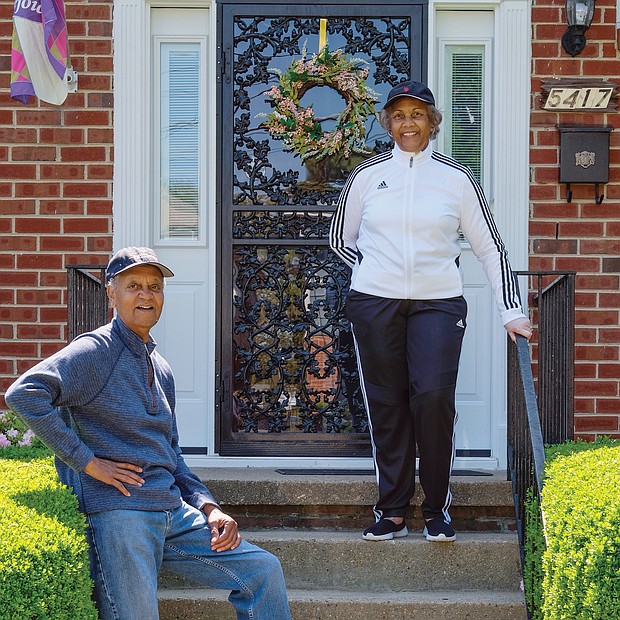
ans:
(55, 189)
(56, 199)
(580, 235)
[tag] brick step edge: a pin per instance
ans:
(207, 604)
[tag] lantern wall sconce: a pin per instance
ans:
(579, 15)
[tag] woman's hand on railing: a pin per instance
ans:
(521, 326)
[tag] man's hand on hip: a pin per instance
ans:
(115, 474)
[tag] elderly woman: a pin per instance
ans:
(397, 226)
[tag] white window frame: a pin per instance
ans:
(201, 41)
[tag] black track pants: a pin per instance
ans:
(408, 354)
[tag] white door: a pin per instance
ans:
(181, 197)
(464, 95)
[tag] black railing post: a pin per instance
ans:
(87, 304)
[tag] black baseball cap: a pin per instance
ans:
(132, 257)
(409, 88)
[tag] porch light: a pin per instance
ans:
(578, 17)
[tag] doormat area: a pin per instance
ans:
(365, 472)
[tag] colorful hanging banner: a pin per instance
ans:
(39, 53)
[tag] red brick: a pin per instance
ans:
(19, 278)
(87, 117)
(39, 261)
(100, 135)
(597, 282)
(585, 300)
(53, 315)
(585, 371)
(609, 335)
(581, 229)
(85, 190)
(91, 47)
(17, 244)
(36, 153)
(18, 171)
(17, 206)
(39, 297)
(51, 207)
(99, 244)
(62, 135)
(609, 371)
(99, 207)
(555, 246)
(596, 423)
(34, 116)
(16, 314)
(596, 388)
(50, 348)
(92, 11)
(100, 64)
(585, 335)
(18, 349)
(40, 190)
(584, 405)
(608, 405)
(86, 225)
(18, 135)
(37, 225)
(577, 263)
(62, 172)
(82, 153)
(54, 278)
(38, 332)
(596, 353)
(99, 171)
(596, 317)
(63, 243)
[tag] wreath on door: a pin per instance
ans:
(298, 127)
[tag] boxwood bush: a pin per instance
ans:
(580, 566)
(43, 550)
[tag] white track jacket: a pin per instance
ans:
(397, 226)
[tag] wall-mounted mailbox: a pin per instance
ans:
(584, 157)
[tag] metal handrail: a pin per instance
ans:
(87, 304)
(549, 414)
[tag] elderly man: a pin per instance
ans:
(105, 406)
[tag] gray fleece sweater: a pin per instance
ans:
(93, 398)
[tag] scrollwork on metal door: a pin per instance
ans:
(292, 354)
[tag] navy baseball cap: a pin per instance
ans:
(409, 88)
(132, 257)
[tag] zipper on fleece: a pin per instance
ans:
(151, 375)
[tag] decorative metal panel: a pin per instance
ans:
(289, 379)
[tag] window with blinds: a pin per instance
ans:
(180, 141)
(465, 106)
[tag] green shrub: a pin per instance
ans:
(534, 547)
(581, 507)
(43, 550)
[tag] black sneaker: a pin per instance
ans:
(385, 529)
(438, 530)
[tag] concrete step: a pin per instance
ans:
(313, 524)
(344, 561)
(204, 604)
(264, 498)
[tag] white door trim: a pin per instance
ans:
(132, 182)
(510, 153)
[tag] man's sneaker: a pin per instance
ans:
(385, 529)
(438, 530)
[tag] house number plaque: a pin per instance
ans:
(592, 98)
(578, 95)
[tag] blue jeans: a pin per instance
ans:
(128, 547)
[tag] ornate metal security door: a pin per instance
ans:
(287, 377)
